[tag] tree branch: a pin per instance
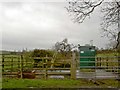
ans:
(118, 41)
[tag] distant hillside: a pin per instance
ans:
(5, 52)
(9, 52)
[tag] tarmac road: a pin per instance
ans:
(98, 74)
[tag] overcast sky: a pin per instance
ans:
(41, 24)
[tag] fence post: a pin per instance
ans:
(3, 63)
(119, 65)
(100, 62)
(96, 62)
(18, 62)
(21, 68)
(107, 63)
(46, 67)
(73, 66)
(11, 64)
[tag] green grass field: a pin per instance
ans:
(13, 62)
(53, 83)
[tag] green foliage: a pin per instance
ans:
(64, 55)
(42, 53)
(107, 53)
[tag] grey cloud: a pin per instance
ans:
(40, 25)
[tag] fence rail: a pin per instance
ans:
(11, 65)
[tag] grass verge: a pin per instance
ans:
(53, 83)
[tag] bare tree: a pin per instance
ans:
(111, 45)
(110, 23)
(63, 46)
(81, 9)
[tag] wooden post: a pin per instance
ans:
(42, 63)
(11, 64)
(21, 70)
(100, 62)
(73, 66)
(3, 63)
(107, 63)
(97, 60)
(18, 62)
(96, 63)
(45, 72)
(26, 61)
(46, 68)
(119, 65)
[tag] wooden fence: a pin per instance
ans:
(110, 64)
(12, 64)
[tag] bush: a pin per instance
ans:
(42, 53)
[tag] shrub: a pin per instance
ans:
(42, 53)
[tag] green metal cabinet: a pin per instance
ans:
(87, 56)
